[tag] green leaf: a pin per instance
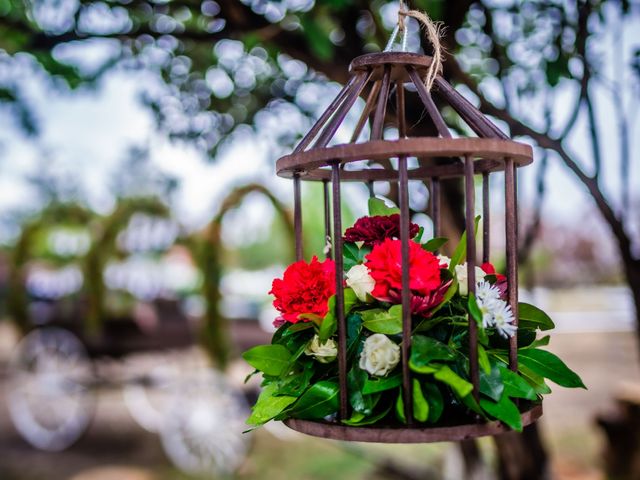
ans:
(299, 327)
(536, 381)
(436, 402)
(460, 252)
(418, 237)
(532, 378)
(435, 244)
(400, 408)
(491, 384)
(388, 322)
(328, 327)
(514, 385)
(360, 402)
(350, 300)
(353, 255)
(269, 406)
(504, 410)
(295, 383)
(329, 324)
(470, 402)
(420, 404)
(425, 350)
(270, 359)
(381, 384)
(354, 327)
(549, 366)
(377, 206)
(457, 383)
(483, 360)
(532, 317)
(540, 342)
(474, 310)
(320, 400)
(358, 419)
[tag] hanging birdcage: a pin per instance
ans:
(389, 80)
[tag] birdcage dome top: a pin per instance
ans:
(380, 77)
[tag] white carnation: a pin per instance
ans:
(461, 275)
(323, 352)
(360, 281)
(379, 355)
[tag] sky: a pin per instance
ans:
(88, 133)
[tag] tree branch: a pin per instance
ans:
(546, 141)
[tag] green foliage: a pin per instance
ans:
(270, 359)
(320, 400)
(532, 317)
(269, 406)
(504, 410)
(383, 321)
(548, 365)
(378, 207)
(460, 253)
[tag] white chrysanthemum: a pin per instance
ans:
(486, 293)
(461, 275)
(503, 319)
(379, 355)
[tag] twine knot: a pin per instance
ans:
(434, 32)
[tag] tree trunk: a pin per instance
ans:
(522, 456)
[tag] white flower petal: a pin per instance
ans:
(380, 355)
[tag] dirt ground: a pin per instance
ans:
(116, 448)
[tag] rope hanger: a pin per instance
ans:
(433, 31)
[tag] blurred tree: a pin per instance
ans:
(228, 63)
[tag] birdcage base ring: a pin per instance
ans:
(406, 434)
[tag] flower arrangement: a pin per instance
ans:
(300, 370)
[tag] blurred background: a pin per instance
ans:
(141, 224)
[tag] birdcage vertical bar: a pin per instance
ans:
(381, 107)
(511, 233)
(342, 327)
(403, 197)
(471, 266)
(326, 115)
(434, 191)
(486, 213)
(327, 218)
(297, 216)
(370, 188)
(341, 112)
(366, 111)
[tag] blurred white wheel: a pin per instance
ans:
(148, 398)
(50, 401)
(202, 431)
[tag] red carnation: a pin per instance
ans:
(374, 230)
(385, 266)
(304, 288)
(423, 305)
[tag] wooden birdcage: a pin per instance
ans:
(383, 79)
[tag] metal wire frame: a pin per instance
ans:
(382, 70)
